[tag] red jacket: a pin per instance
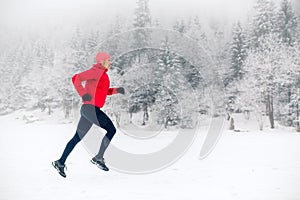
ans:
(96, 84)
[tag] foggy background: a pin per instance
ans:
(28, 12)
(19, 17)
(38, 17)
(43, 43)
(254, 51)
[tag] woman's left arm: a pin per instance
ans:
(112, 91)
(119, 90)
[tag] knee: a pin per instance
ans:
(114, 130)
(111, 132)
(75, 139)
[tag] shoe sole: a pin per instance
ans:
(63, 175)
(104, 169)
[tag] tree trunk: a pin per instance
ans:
(231, 127)
(67, 112)
(271, 110)
(260, 121)
(289, 95)
(49, 110)
(130, 117)
(272, 113)
(298, 118)
(145, 115)
(166, 122)
(118, 118)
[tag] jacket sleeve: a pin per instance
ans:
(112, 91)
(77, 79)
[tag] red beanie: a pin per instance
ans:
(101, 56)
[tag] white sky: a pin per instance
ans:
(20, 16)
(36, 12)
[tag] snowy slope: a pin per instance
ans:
(247, 165)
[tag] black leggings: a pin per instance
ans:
(90, 115)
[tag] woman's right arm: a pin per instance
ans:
(77, 80)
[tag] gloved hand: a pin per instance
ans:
(86, 97)
(121, 90)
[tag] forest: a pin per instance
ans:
(172, 74)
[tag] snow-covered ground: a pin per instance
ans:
(250, 165)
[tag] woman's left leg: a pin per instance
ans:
(105, 123)
(82, 128)
(99, 118)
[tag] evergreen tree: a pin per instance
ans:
(169, 74)
(141, 89)
(287, 28)
(142, 20)
(180, 26)
(78, 53)
(195, 31)
(268, 72)
(114, 39)
(92, 42)
(166, 104)
(170, 68)
(264, 22)
(288, 89)
(236, 71)
(167, 60)
(287, 23)
(239, 48)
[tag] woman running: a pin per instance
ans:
(93, 96)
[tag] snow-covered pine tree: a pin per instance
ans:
(287, 23)
(114, 40)
(239, 48)
(45, 59)
(9, 70)
(141, 89)
(218, 49)
(288, 31)
(180, 26)
(263, 22)
(142, 20)
(266, 70)
(67, 95)
(297, 85)
(169, 74)
(92, 42)
(236, 72)
(264, 41)
(288, 104)
(30, 73)
(195, 31)
(166, 105)
(295, 104)
(167, 60)
(170, 68)
(78, 53)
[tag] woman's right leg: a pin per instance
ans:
(82, 128)
(98, 117)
